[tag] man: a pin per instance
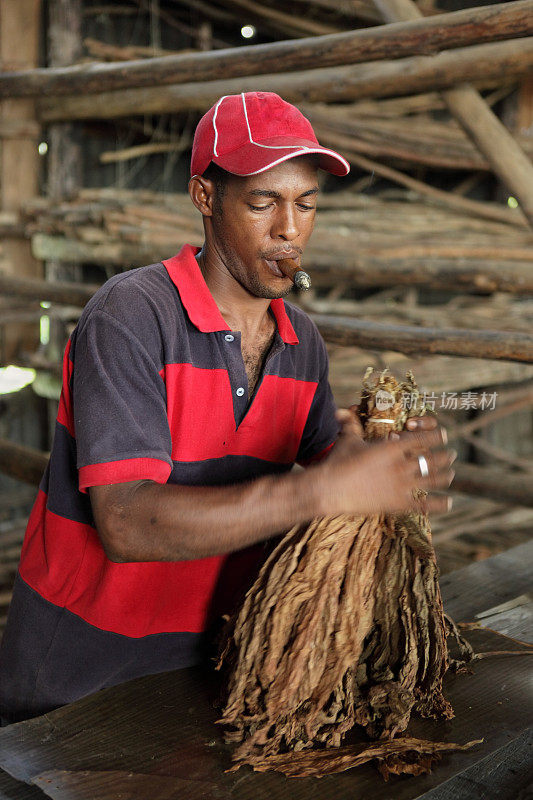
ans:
(190, 390)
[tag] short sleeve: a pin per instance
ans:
(321, 428)
(119, 406)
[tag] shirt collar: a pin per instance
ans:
(199, 303)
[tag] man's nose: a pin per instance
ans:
(286, 224)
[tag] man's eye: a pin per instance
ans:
(258, 208)
(303, 207)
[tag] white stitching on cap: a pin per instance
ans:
(215, 123)
(267, 146)
(303, 149)
(307, 151)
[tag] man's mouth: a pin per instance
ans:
(273, 265)
(275, 269)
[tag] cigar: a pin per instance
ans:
(291, 269)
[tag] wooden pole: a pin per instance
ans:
(498, 345)
(65, 157)
(378, 79)
(414, 340)
(23, 463)
(71, 294)
(19, 158)
(495, 484)
(524, 113)
(479, 275)
(28, 464)
(448, 199)
(418, 37)
(508, 160)
(64, 48)
(497, 144)
(278, 21)
(415, 139)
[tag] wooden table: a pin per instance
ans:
(154, 738)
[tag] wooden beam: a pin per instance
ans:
(508, 160)
(524, 112)
(28, 465)
(448, 199)
(497, 144)
(477, 276)
(65, 159)
(19, 158)
(421, 37)
(72, 294)
(413, 139)
(64, 48)
(414, 340)
(379, 79)
(501, 485)
(278, 21)
(23, 463)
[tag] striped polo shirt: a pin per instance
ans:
(154, 387)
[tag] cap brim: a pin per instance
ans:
(253, 158)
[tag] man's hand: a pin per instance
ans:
(350, 417)
(382, 477)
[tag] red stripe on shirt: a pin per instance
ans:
(317, 457)
(172, 596)
(202, 425)
(129, 469)
(64, 413)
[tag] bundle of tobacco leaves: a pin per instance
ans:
(343, 627)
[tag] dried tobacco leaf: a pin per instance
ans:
(343, 627)
(405, 755)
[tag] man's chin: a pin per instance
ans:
(271, 294)
(272, 290)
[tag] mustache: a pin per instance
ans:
(276, 254)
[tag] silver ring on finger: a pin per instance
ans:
(423, 465)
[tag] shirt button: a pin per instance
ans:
(239, 392)
(228, 337)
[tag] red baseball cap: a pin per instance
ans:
(250, 132)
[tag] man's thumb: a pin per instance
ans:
(350, 423)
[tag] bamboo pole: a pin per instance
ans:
(414, 340)
(420, 37)
(497, 144)
(334, 84)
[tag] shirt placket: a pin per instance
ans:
(238, 378)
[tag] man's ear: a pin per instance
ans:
(202, 193)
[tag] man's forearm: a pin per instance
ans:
(145, 521)
(153, 522)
